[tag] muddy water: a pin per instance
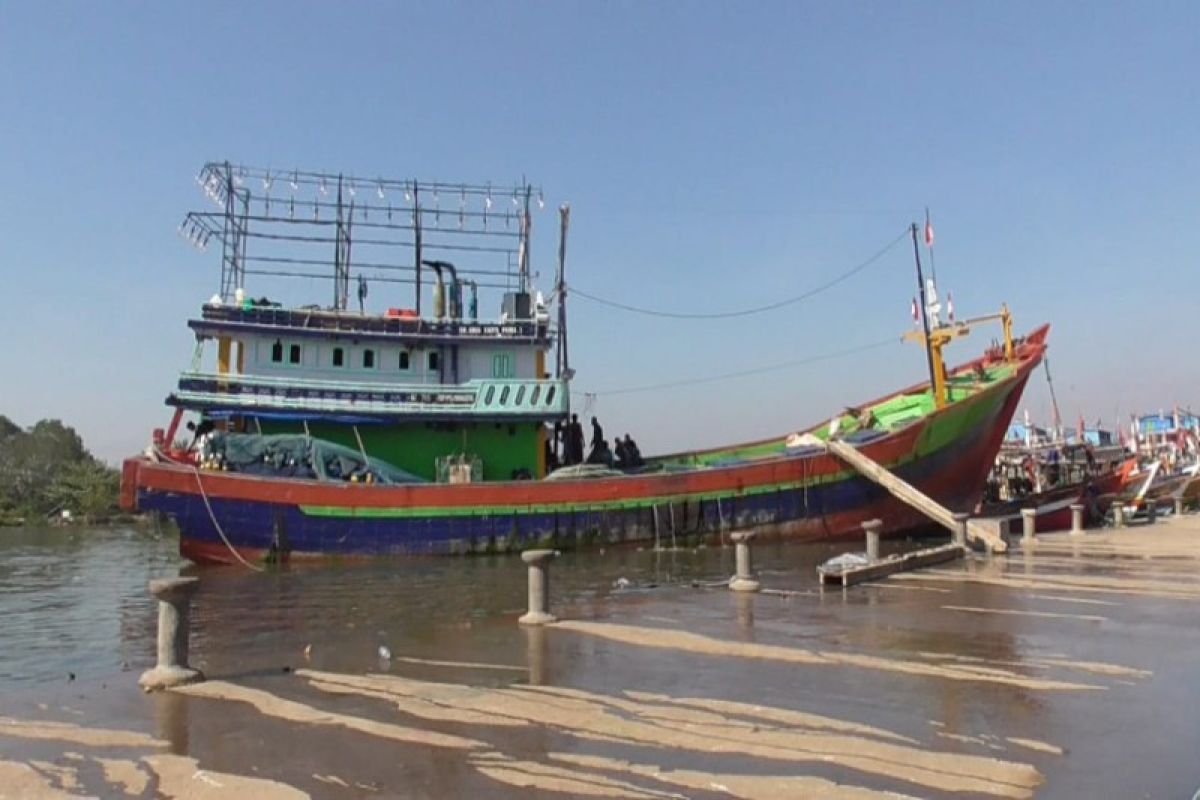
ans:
(1050, 674)
(74, 600)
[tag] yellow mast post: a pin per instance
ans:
(942, 335)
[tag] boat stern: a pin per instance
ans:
(130, 474)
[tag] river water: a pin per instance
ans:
(74, 600)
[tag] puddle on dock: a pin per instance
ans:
(1065, 673)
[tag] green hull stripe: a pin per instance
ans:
(955, 421)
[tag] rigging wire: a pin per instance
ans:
(746, 372)
(745, 312)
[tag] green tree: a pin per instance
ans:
(47, 468)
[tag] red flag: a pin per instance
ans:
(928, 232)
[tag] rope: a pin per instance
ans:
(745, 312)
(217, 525)
(746, 372)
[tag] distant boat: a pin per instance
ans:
(1037, 469)
(330, 432)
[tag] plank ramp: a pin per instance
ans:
(891, 565)
(909, 494)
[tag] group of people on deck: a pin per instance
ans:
(566, 448)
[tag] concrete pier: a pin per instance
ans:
(1077, 519)
(174, 597)
(873, 528)
(539, 587)
(1028, 524)
(959, 535)
(743, 579)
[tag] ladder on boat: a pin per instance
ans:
(909, 494)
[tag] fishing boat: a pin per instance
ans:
(330, 431)
(1046, 470)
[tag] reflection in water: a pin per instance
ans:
(744, 601)
(171, 720)
(535, 642)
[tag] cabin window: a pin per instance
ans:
(368, 359)
(550, 395)
(294, 354)
(489, 395)
(504, 396)
(339, 357)
(502, 366)
(533, 397)
(520, 396)
(404, 360)
(433, 361)
(277, 352)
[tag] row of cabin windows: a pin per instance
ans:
(338, 357)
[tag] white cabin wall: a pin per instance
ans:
(474, 361)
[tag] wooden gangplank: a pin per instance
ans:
(909, 494)
(891, 565)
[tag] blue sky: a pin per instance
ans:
(715, 156)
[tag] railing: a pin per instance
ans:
(481, 398)
(343, 321)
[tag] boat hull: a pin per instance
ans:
(1054, 507)
(223, 517)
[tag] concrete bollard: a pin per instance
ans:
(1151, 511)
(873, 528)
(539, 587)
(743, 579)
(1118, 510)
(959, 535)
(174, 597)
(1179, 506)
(1077, 519)
(1028, 524)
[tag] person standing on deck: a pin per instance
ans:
(597, 433)
(574, 443)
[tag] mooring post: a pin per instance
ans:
(743, 579)
(1179, 506)
(1077, 519)
(539, 587)
(873, 528)
(174, 597)
(1152, 511)
(1028, 524)
(1118, 510)
(959, 536)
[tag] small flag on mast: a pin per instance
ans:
(928, 230)
(950, 305)
(915, 312)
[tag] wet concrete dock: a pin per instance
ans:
(1063, 669)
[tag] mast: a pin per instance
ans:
(924, 315)
(561, 363)
(526, 229)
(416, 212)
(1053, 401)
